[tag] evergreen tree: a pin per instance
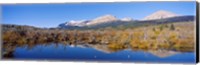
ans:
(172, 27)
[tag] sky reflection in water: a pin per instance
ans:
(67, 52)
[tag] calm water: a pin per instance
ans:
(98, 53)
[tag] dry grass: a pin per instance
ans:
(176, 36)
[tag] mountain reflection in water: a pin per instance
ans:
(95, 52)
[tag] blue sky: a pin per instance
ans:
(51, 15)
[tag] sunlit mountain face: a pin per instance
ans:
(158, 17)
(161, 14)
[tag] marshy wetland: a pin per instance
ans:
(172, 42)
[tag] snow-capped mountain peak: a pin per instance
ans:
(76, 23)
(102, 19)
(160, 15)
(98, 20)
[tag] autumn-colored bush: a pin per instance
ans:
(168, 36)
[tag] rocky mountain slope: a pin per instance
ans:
(102, 19)
(161, 14)
(159, 17)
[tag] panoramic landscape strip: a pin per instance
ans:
(162, 36)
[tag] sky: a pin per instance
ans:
(51, 15)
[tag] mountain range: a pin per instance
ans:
(159, 17)
(99, 20)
